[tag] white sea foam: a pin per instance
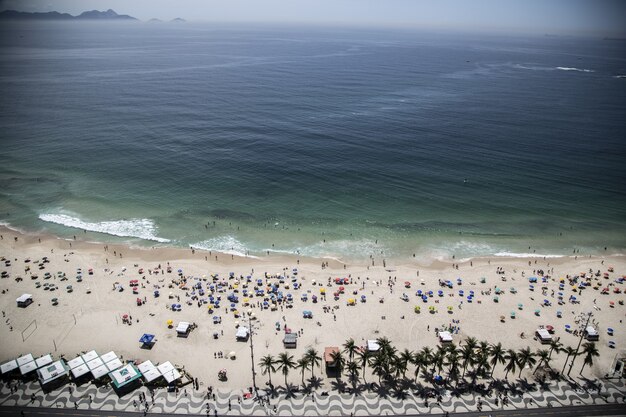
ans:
(525, 255)
(224, 244)
(574, 69)
(139, 228)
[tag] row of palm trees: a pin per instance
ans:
(478, 359)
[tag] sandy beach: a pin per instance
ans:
(90, 316)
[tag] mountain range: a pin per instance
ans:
(89, 15)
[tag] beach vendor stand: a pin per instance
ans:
(242, 334)
(147, 341)
(53, 375)
(24, 300)
(330, 356)
(125, 379)
(183, 329)
(149, 372)
(591, 334)
(9, 367)
(445, 337)
(544, 336)
(290, 341)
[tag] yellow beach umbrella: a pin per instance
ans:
(322, 290)
(169, 323)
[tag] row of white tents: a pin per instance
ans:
(89, 366)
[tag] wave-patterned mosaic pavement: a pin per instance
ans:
(188, 401)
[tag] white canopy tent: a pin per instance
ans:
(114, 364)
(445, 337)
(149, 371)
(183, 328)
(80, 370)
(8, 366)
(52, 371)
(28, 368)
(25, 359)
(168, 371)
(95, 363)
(99, 372)
(91, 355)
(43, 361)
(24, 300)
(544, 335)
(108, 357)
(242, 333)
(76, 362)
(373, 346)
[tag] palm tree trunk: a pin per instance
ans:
(565, 364)
(537, 368)
(581, 369)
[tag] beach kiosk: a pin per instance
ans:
(242, 334)
(544, 336)
(149, 372)
(183, 329)
(445, 337)
(168, 371)
(591, 334)
(329, 360)
(53, 375)
(9, 367)
(78, 370)
(27, 364)
(125, 378)
(372, 346)
(290, 341)
(24, 300)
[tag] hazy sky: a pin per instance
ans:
(539, 16)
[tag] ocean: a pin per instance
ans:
(325, 142)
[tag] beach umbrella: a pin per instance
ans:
(537, 312)
(417, 309)
(609, 330)
(232, 355)
(512, 314)
(559, 314)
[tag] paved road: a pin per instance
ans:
(577, 411)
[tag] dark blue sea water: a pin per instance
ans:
(324, 141)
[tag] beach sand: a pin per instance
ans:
(82, 321)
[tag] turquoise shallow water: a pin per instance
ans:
(326, 142)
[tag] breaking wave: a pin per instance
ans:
(138, 228)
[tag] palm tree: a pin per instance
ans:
(419, 361)
(285, 363)
(570, 351)
(353, 371)
(438, 359)
(303, 364)
(350, 348)
(482, 362)
(364, 358)
(402, 363)
(555, 346)
(267, 365)
(526, 357)
(452, 360)
(590, 351)
(511, 362)
(497, 353)
(338, 360)
(314, 359)
(544, 358)
(467, 355)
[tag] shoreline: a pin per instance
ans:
(416, 261)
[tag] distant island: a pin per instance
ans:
(178, 20)
(89, 15)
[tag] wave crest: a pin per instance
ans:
(138, 228)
